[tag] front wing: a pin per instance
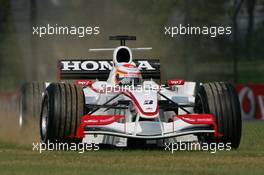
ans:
(184, 124)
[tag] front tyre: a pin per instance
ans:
(61, 112)
(221, 100)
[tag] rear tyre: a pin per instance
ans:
(30, 102)
(221, 100)
(61, 112)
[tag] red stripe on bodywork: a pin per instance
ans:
(200, 119)
(100, 119)
(96, 120)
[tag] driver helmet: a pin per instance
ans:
(127, 74)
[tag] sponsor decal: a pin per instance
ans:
(83, 82)
(175, 82)
(251, 99)
(94, 65)
(100, 119)
(148, 102)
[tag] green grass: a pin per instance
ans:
(248, 159)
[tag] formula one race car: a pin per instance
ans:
(121, 101)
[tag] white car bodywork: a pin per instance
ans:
(117, 133)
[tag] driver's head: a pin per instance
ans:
(127, 74)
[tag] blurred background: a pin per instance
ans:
(238, 57)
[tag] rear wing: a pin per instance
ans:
(100, 69)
